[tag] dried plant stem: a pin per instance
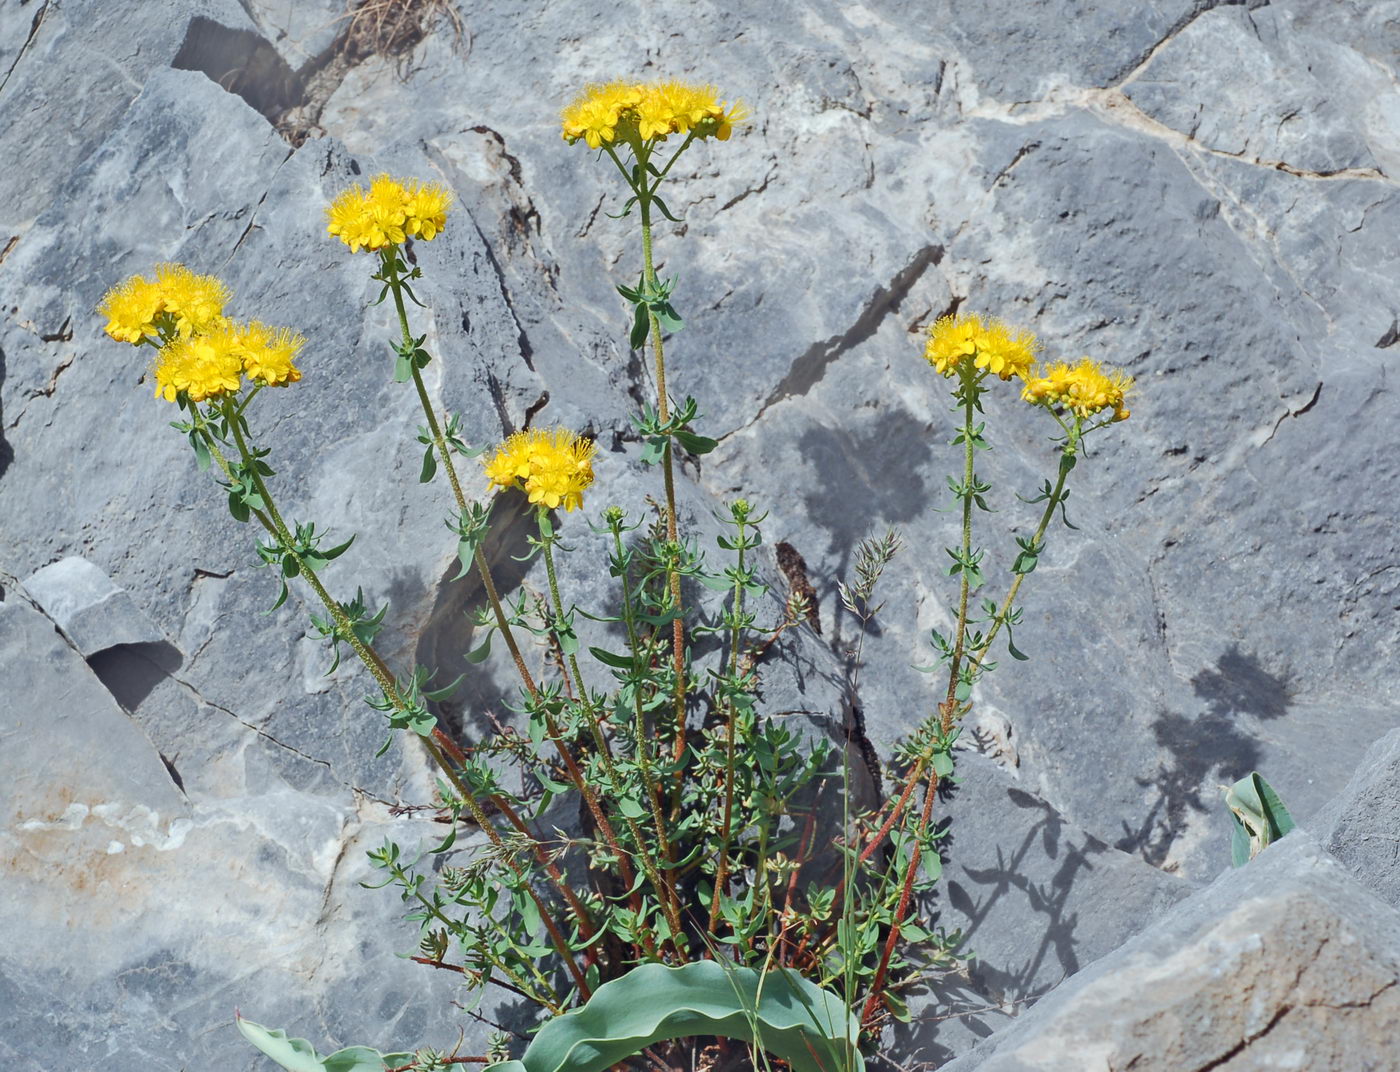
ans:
(876, 999)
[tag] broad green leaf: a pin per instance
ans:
(298, 1055)
(783, 1013)
(1259, 816)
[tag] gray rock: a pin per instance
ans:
(138, 915)
(92, 611)
(1015, 869)
(1361, 826)
(1286, 963)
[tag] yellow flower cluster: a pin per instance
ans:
(390, 211)
(201, 352)
(1083, 389)
(650, 111)
(990, 344)
(134, 308)
(553, 468)
(210, 365)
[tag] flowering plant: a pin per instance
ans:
(707, 841)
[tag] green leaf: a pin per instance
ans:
(622, 662)
(429, 466)
(786, 1015)
(696, 444)
(630, 808)
(403, 368)
(653, 450)
(201, 451)
(1259, 815)
(479, 654)
(298, 1055)
(664, 210)
(640, 324)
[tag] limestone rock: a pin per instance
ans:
(92, 611)
(1286, 963)
(1035, 899)
(1361, 827)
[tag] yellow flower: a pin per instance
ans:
(991, 344)
(604, 112)
(388, 212)
(267, 353)
(131, 308)
(596, 112)
(426, 208)
(552, 468)
(510, 465)
(195, 301)
(1006, 351)
(726, 121)
(1083, 389)
(951, 339)
(203, 366)
(134, 307)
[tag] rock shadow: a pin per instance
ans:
(1218, 741)
(243, 63)
(130, 672)
(7, 453)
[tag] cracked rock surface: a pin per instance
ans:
(1202, 192)
(1287, 963)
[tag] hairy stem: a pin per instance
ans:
(663, 409)
(390, 263)
(960, 638)
(726, 833)
(663, 891)
(1046, 515)
(271, 520)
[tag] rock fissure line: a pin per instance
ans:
(1132, 69)
(809, 368)
(29, 40)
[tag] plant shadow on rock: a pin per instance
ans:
(450, 631)
(854, 494)
(976, 894)
(1217, 740)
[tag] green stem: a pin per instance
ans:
(1069, 450)
(969, 387)
(389, 261)
(726, 834)
(407, 883)
(590, 715)
(641, 733)
(669, 478)
(271, 519)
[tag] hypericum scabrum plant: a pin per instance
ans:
(709, 886)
